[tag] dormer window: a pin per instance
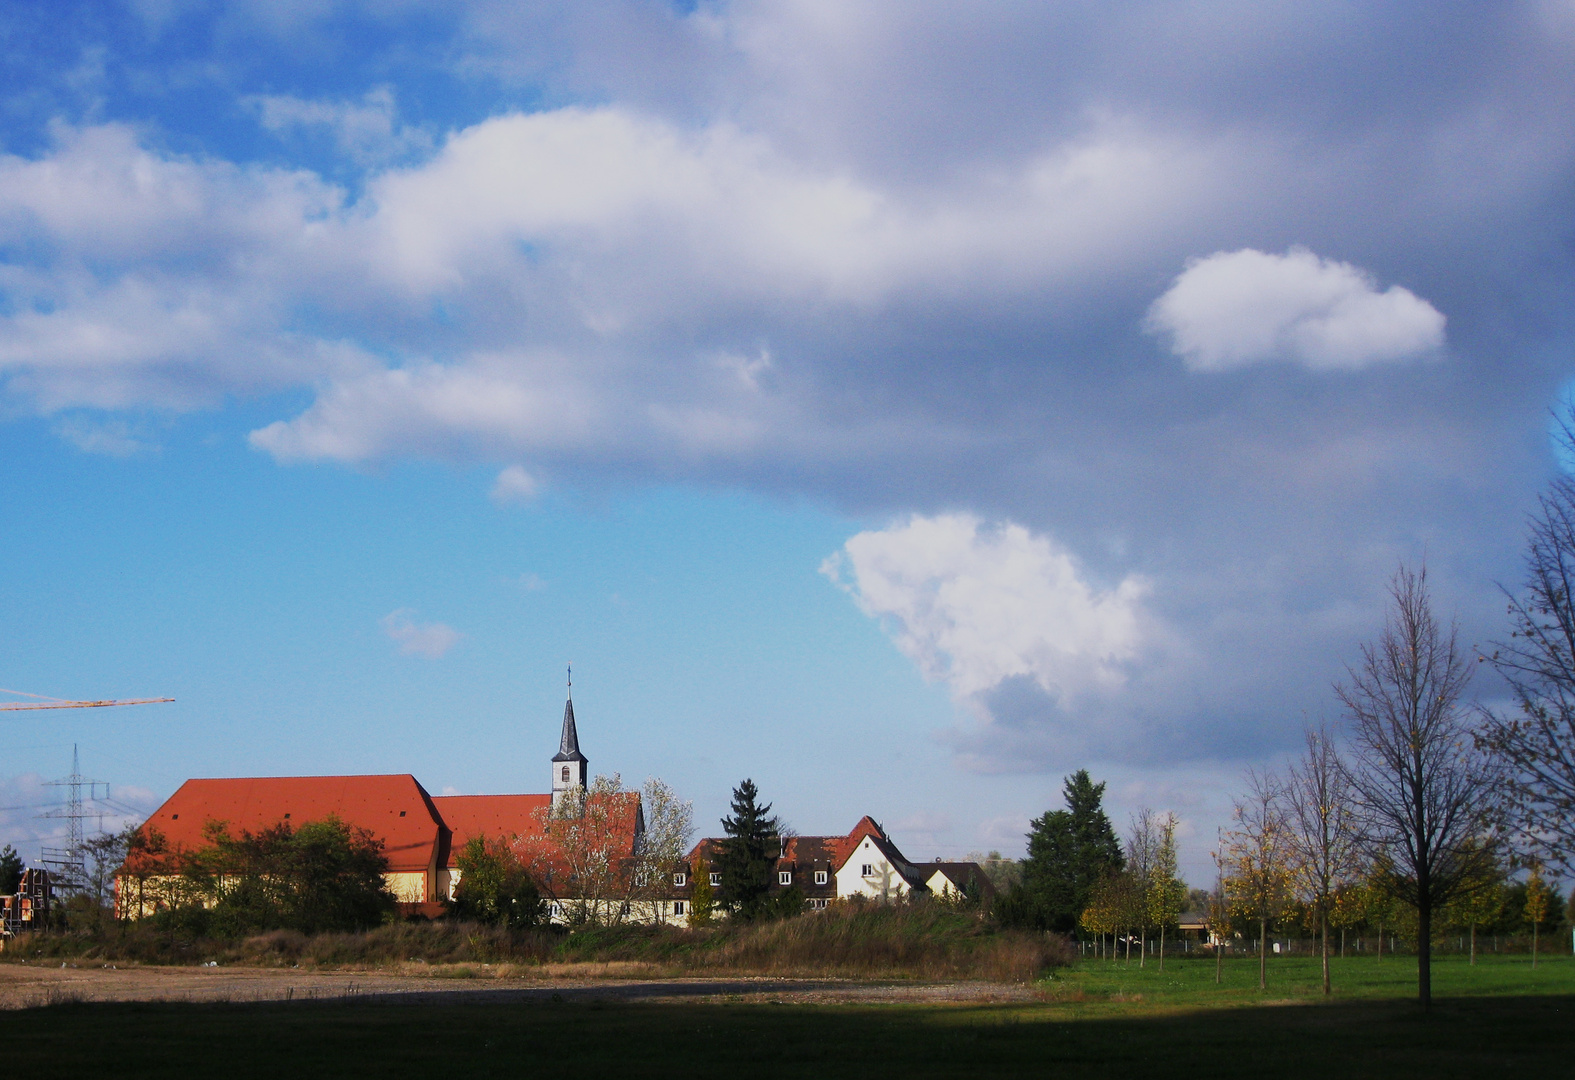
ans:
(784, 877)
(716, 879)
(820, 877)
(680, 879)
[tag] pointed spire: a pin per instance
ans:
(569, 743)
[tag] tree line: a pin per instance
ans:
(1413, 815)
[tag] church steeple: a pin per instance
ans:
(568, 764)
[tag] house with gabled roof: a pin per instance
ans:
(865, 863)
(421, 835)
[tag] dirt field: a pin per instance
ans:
(30, 985)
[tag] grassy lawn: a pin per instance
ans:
(1097, 1022)
(1190, 983)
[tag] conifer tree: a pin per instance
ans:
(748, 854)
(10, 870)
(1069, 852)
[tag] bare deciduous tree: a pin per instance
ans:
(1143, 843)
(1424, 791)
(1321, 830)
(1537, 742)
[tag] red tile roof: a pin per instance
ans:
(505, 816)
(808, 849)
(395, 809)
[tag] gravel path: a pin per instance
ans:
(31, 985)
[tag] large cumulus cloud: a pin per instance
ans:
(899, 257)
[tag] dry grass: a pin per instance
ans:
(923, 941)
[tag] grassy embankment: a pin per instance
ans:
(1498, 1019)
(855, 940)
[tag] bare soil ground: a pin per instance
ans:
(31, 985)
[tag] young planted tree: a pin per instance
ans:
(1101, 915)
(1166, 892)
(748, 856)
(1257, 861)
(1537, 905)
(1377, 901)
(1069, 851)
(1116, 906)
(1424, 792)
(1218, 909)
(1481, 905)
(1320, 831)
(1345, 908)
(1142, 854)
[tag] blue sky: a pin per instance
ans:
(901, 404)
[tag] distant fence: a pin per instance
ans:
(1557, 943)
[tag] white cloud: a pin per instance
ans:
(429, 640)
(1244, 307)
(996, 612)
(367, 131)
(514, 485)
(114, 438)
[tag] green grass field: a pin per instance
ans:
(1190, 983)
(1097, 1020)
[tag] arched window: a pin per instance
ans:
(565, 774)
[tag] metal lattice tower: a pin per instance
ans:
(67, 865)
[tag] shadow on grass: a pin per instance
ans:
(1461, 1037)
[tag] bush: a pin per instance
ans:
(494, 887)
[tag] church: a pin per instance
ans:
(422, 836)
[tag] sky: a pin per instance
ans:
(901, 404)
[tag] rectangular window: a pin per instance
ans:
(639, 880)
(680, 879)
(716, 879)
(868, 870)
(784, 877)
(820, 904)
(678, 907)
(820, 877)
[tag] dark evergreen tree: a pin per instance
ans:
(748, 855)
(1069, 852)
(10, 870)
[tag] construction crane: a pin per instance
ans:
(59, 703)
